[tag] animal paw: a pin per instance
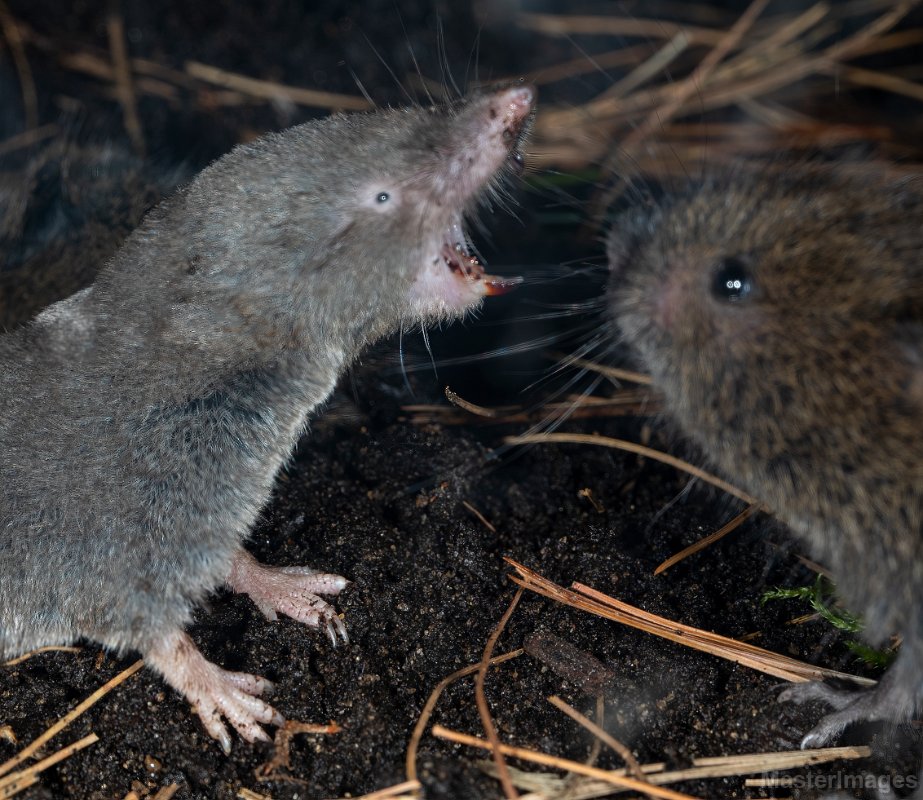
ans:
(215, 693)
(887, 702)
(292, 591)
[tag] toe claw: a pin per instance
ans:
(216, 695)
(809, 742)
(259, 735)
(849, 706)
(341, 629)
(292, 591)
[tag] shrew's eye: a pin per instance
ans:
(732, 281)
(382, 197)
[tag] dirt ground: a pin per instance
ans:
(419, 515)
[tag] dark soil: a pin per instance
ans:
(374, 496)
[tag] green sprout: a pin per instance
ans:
(818, 596)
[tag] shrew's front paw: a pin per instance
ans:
(292, 591)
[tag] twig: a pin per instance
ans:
(617, 373)
(656, 774)
(790, 31)
(614, 777)
(587, 493)
(778, 52)
(878, 80)
(484, 521)
(121, 66)
(13, 36)
(270, 90)
(893, 41)
(657, 777)
(481, 699)
(748, 655)
(632, 765)
(564, 25)
(391, 791)
(624, 402)
(68, 718)
(847, 48)
(632, 447)
(249, 794)
(601, 720)
(11, 785)
(655, 65)
(681, 93)
(481, 411)
(101, 68)
(410, 760)
(26, 656)
(581, 66)
(709, 540)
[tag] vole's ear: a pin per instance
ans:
(618, 245)
(623, 236)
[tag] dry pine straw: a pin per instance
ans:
(709, 73)
(580, 596)
(648, 779)
(741, 67)
(11, 783)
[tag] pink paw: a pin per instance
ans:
(292, 591)
(215, 693)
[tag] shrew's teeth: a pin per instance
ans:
(456, 235)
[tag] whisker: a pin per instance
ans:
(412, 100)
(413, 56)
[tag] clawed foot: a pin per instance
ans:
(215, 693)
(887, 702)
(292, 591)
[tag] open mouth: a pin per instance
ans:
(462, 262)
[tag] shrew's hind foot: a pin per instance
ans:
(214, 692)
(292, 591)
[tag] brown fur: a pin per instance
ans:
(806, 392)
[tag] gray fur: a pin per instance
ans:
(143, 420)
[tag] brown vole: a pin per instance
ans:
(782, 317)
(143, 420)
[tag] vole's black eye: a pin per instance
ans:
(732, 280)
(382, 197)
